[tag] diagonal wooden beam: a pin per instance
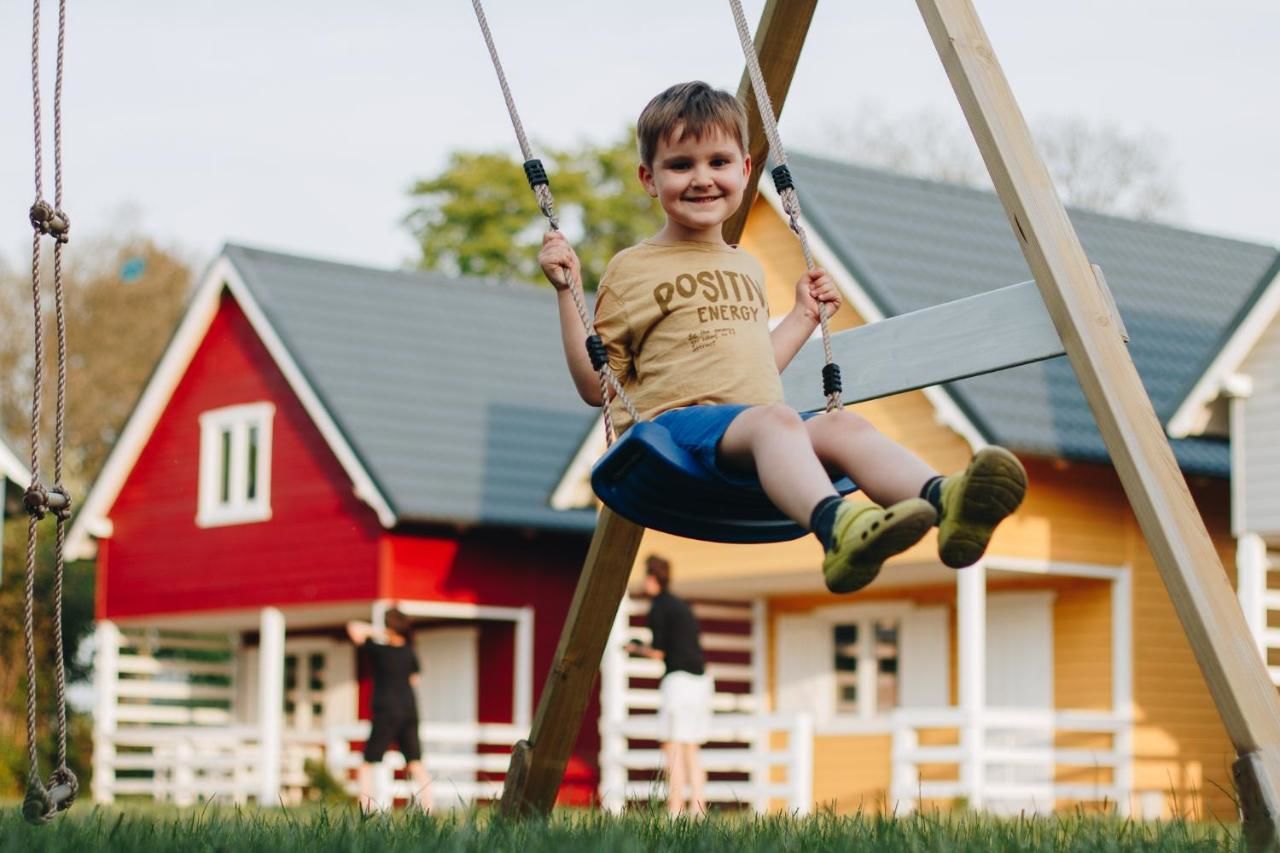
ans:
(1173, 528)
(538, 764)
(779, 38)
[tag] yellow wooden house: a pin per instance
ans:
(1055, 672)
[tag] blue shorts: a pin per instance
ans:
(698, 430)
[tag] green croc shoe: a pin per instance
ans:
(866, 536)
(974, 502)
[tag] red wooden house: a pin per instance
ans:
(320, 442)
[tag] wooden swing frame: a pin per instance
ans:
(1071, 314)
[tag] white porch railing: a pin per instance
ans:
(467, 762)
(1030, 760)
(190, 764)
(775, 772)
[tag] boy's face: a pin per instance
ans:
(698, 182)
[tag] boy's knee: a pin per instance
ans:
(844, 421)
(779, 416)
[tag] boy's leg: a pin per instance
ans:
(697, 779)
(364, 778)
(975, 501)
(675, 778)
(884, 470)
(772, 442)
(421, 785)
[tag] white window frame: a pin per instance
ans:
(865, 616)
(239, 509)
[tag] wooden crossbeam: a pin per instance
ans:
(1173, 528)
(979, 334)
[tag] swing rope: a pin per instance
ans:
(42, 802)
(786, 193)
(537, 177)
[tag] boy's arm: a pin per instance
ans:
(360, 632)
(558, 259)
(574, 338)
(814, 287)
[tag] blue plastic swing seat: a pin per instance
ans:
(647, 478)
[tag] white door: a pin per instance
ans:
(448, 688)
(1020, 676)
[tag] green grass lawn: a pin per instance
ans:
(316, 830)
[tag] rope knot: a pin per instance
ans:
(59, 501)
(37, 806)
(36, 501)
(63, 788)
(48, 220)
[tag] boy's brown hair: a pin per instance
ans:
(658, 569)
(694, 109)
(400, 623)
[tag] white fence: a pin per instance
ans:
(741, 744)
(189, 764)
(1010, 760)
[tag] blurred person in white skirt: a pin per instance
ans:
(684, 713)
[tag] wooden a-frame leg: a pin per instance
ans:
(537, 765)
(1174, 530)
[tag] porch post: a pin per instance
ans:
(613, 713)
(760, 745)
(971, 618)
(1122, 687)
(106, 674)
(270, 704)
(522, 694)
(1251, 586)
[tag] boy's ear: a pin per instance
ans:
(645, 174)
(746, 165)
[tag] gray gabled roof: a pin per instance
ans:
(452, 392)
(913, 243)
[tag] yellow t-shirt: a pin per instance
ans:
(686, 324)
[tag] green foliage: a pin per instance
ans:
(326, 829)
(77, 623)
(478, 216)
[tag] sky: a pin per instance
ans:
(300, 126)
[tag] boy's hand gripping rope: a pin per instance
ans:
(43, 801)
(786, 193)
(541, 187)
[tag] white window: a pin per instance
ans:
(854, 664)
(866, 666)
(235, 465)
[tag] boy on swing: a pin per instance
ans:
(685, 322)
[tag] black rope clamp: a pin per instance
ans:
(59, 501)
(782, 179)
(535, 173)
(596, 352)
(831, 379)
(36, 501)
(47, 220)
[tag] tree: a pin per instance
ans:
(1094, 166)
(124, 296)
(478, 217)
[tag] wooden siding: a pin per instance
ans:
(319, 545)
(1262, 437)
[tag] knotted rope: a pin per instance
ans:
(43, 802)
(541, 187)
(786, 192)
